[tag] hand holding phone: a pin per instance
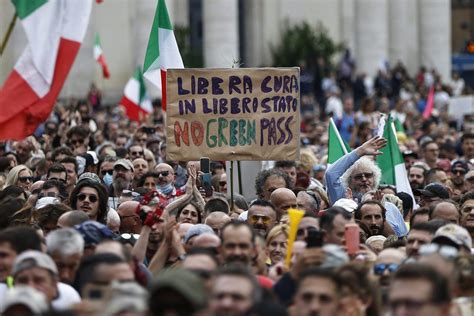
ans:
(352, 237)
(205, 176)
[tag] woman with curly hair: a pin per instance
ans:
(90, 197)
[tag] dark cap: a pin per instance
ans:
(433, 190)
(94, 232)
(410, 153)
(459, 164)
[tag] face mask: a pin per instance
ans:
(165, 189)
(107, 179)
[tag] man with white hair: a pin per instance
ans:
(66, 247)
(355, 171)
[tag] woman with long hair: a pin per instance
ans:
(21, 176)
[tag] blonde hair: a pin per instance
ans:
(307, 160)
(275, 231)
(12, 176)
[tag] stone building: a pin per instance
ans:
(417, 32)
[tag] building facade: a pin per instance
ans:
(416, 32)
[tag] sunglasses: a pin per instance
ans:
(109, 172)
(266, 220)
(447, 252)
(163, 173)
(48, 194)
(301, 232)
(58, 179)
(92, 198)
(367, 175)
(315, 197)
(77, 141)
(130, 193)
(380, 268)
(25, 179)
(461, 172)
(136, 153)
(128, 236)
(222, 183)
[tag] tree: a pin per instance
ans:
(301, 43)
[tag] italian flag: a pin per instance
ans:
(135, 99)
(54, 30)
(391, 161)
(99, 57)
(336, 145)
(162, 51)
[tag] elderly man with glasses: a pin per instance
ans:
(355, 171)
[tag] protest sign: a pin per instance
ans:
(233, 114)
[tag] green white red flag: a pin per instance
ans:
(135, 99)
(391, 161)
(54, 30)
(162, 51)
(99, 57)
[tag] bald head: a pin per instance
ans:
(183, 228)
(127, 208)
(72, 218)
(391, 255)
(206, 240)
(164, 167)
(283, 199)
(217, 220)
(130, 221)
(446, 211)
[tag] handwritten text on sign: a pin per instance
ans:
(233, 114)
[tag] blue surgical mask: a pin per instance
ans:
(165, 189)
(107, 179)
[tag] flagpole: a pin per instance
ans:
(7, 35)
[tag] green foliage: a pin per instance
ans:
(301, 43)
(192, 58)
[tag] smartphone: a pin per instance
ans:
(148, 130)
(206, 183)
(314, 239)
(352, 237)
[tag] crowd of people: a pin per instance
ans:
(95, 219)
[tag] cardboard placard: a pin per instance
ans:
(233, 114)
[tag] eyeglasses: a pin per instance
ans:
(253, 219)
(380, 268)
(447, 252)
(367, 175)
(92, 198)
(25, 179)
(136, 153)
(301, 232)
(222, 183)
(77, 141)
(459, 172)
(163, 173)
(109, 172)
